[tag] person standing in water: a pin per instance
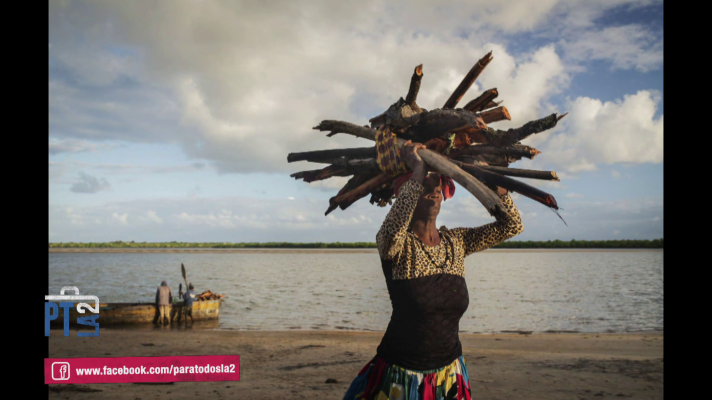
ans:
(164, 298)
(188, 299)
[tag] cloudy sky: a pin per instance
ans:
(172, 120)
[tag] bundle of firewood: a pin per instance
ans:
(209, 295)
(459, 144)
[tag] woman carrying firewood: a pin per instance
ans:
(420, 355)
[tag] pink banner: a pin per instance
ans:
(142, 369)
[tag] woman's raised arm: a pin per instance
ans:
(394, 229)
(486, 236)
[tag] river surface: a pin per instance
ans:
(518, 290)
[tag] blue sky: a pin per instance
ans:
(172, 121)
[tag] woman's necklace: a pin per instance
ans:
(446, 263)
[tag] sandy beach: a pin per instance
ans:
(296, 364)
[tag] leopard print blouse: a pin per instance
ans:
(410, 258)
(426, 284)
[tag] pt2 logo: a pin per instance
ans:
(52, 311)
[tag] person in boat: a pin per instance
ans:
(188, 299)
(420, 355)
(164, 298)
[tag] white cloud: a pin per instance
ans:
(230, 218)
(240, 86)
(152, 216)
(74, 217)
(75, 146)
(526, 215)
(237, 219)
(120, 218)
(594, 220)
(524, 84)
(463, 207)
(223, 219)
(574, 195)
(626, 47)
(140, 113)
(96, 68)
(247, 84)
(606, 133)
(89, 184)
(129, 168)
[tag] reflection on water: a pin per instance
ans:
(592, 291)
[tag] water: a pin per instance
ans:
(584, 291)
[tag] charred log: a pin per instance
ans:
(485, 98)
(469, 79)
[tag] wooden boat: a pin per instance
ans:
(141, 313)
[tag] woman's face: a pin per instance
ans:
(431, 199)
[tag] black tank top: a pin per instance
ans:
(427, 285)
(424, 326)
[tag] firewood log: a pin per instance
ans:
(491, 104)
(324, 173)
(347, 127)
(493, 178)
(437, 162)
(399, 115)
(514, 135)
(514, 150)
(522, 173)
(320, 155)
(494, 115)
(352, 183)
(438, 123)
(478, 103)
(468, 81)
(517, 151)
(458, 142)
(414, 88)
(346, 199)
(361, 164)
(382, 196)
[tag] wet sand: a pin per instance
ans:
(296, 364)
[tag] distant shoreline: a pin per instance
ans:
(307, 251)
(351, 246)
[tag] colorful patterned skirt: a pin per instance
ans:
(379, 380)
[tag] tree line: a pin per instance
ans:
(510, 244)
